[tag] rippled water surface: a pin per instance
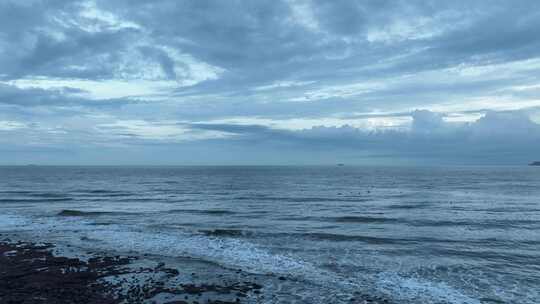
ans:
(410, 235)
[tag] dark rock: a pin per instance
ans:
(31, 272)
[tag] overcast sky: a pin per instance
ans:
(269, 82)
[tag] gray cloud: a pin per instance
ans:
(194, 64)
(511, 134)
(61, 97)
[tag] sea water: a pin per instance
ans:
(405, 234)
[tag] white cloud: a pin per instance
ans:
(302, 14)
(282, 84)
(98, 89)
(189, 70)
(159, 131)
(11, 125)
(95, 19)
(296, 124)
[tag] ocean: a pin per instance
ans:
(403, 234)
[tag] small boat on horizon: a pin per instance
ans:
(535, 163)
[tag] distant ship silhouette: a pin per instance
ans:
(535, 163)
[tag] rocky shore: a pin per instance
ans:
(31, 273)
(38, 273)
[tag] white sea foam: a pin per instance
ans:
(420, 290)
(9, 222)
(237, 253)
(227, 252)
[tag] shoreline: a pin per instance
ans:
(41, 273)
(31, 273)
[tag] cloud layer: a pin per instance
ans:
(239, 81)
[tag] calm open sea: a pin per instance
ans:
(410, 235)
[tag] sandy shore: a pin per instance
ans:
(31, 273)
